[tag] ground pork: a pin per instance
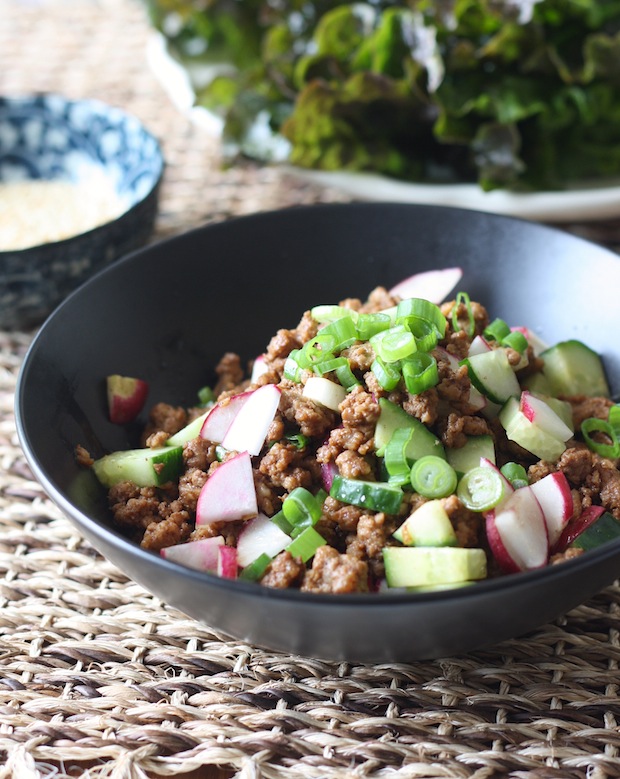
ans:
(284, 465)
(166, 419)
(336, 573)
(312, 419)
(584, 407)
(167, 532)
(456, 429)
(284, 571)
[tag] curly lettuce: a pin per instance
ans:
(515, 94)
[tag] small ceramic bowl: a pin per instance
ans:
(91, 145)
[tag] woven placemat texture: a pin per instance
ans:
(100, 679)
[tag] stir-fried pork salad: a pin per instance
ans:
(391, 443)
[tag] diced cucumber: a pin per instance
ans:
(572, 368)
(606, 528)
(468, 456)
(537, 383)
(428, 525)
(143, 467)
(393, 417)
(189, 432)
(527, 434)
(491, 373)
(375, 496)
(424, 566)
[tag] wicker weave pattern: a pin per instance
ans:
(94, 670)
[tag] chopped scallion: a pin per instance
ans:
(497, 330)
(481, 489)
(371, 324)
(420, 372)
(394, 344)
(418, 308)
(433, 477)
(306, 544)
(462, 299)
(301, 508)
(515, 340)
(516, 474)
(395, 456)
(387, 374)
(255, 570)
(594, 425)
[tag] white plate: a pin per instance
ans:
(585, 204)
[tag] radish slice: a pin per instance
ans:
(574, 529)
(229, 493)
(433, 285)
(220, 418)
(479, 345)
(517, 533)
(537, 344)
(554, 496)
(324, 392)
(249, 428)
(543, 416)
(260, 536)
(258, 368)
(328, 471)
(201, 555)
(227, 566)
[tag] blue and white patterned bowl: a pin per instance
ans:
(50, 137)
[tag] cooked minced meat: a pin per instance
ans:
(308, 443)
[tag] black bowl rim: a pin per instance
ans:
(158, 158)
(377, 600)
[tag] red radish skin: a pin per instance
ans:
(227, 566)
(201, 555)
(260, 536)
(574, 529)
(328, 471)
(220, 418)
(433, 285)
(520, 527)
(555, 499)
(539, 413)
(126, 398)
(249, 428)
(228, 494)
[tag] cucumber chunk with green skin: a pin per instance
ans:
(393, 417)
(527, 434)
(372, 495)
(605, 528)
(143, 467)
(572, 368)
(428, 525)
(468, 457)
(425, 566)
(189, 432)
(491, 374)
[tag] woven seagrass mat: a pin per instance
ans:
(100, 679)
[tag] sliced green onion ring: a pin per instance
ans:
(301, 508)
(516, 474)
(394, 344)
(387, 374)
(515, 340)
(462, 298)
(395, 456)
(324, 314)
(497, 330)
(433, 477)
(481, 489)
(371, 324)
(292, 369)
(343, 331)
(418, 308)
(420, 372)
(594, 425)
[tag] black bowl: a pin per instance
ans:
(168, 312)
